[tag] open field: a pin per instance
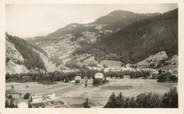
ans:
(75, 95)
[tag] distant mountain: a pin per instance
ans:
(69, 44)
(23, 57)
(118, 36)
(114, 21)
(120, 19)
(143, 38)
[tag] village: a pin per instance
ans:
(103, 77)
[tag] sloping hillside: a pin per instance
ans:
(141, 39)
(22, 57)
(67, 43)
(14, 59)
(120, 35)
(119, 19)
(161, 61)
(154, 59)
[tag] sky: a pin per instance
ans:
(30, 20)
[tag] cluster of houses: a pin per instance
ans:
(116, 66)
(106, 66)
(88, 82)
(51, 100)
(35, 101)
(128, 67)
(46, 101)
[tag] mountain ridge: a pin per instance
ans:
(116, 38)
(163, 29)
(100, 20)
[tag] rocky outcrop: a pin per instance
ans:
(14, 60)
(18, 59)
(12, 53)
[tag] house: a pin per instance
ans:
(73, 81)
(77, 79)
(37, 99)
(98, 67)
(126, 77)
(90, 82)
(98, 79)
(99, 76)
(22, 105)
(107, 69)
(115, 69)
(52, 96)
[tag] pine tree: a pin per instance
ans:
(86, 103)
(112, 101)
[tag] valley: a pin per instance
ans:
(132, 57)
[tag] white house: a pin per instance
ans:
(52, 96)
(22, 105)
(78, 78)
(99, 76)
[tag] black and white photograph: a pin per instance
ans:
(91, 55)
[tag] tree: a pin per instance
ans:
(86, 103)
(112, 101)
(132, 102)
(27, 96)
(120, 100)
(170, 99)
(145, 100)
(12, 87)
(124, 60)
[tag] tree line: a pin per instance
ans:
(144, 100)
(68, 76)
